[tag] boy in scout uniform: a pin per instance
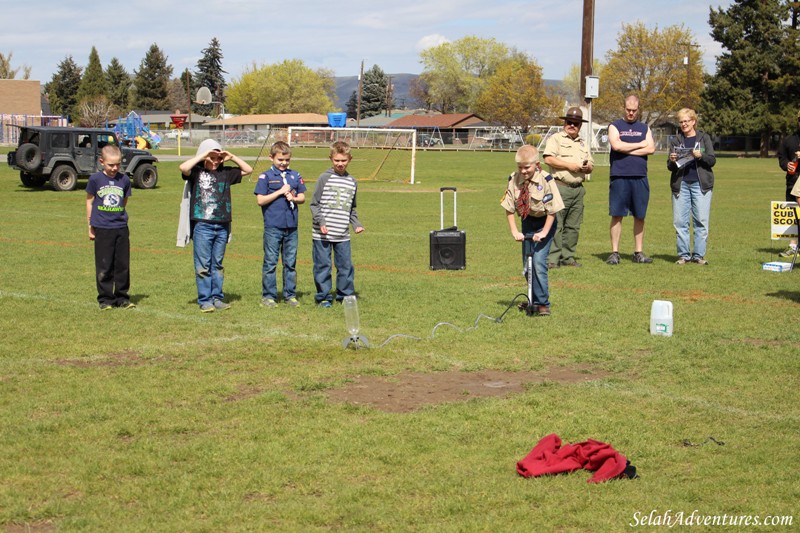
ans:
(567, 155)
(533, 196)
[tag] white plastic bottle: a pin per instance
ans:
(661, 318)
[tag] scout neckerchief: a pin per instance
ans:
(523, 202)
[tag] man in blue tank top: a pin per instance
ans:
(629, 191)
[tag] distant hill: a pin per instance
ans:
(345, 85)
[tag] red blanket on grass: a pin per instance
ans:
(549, 457)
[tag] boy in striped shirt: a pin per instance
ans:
(333, 210)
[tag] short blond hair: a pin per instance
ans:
(687, 113)
(527, 153)
(110, 150)
(280, 147)
(340, 148)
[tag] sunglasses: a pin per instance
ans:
(572, 123)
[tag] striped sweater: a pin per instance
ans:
(333, 205)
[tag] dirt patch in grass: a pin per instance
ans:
(243, 393)
(407, 392)
(40, 526)
(128, 358)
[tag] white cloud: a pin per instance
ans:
(429, 41)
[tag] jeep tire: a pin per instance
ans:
(29, 156)
(145, 176)
(29, 180)
(64, 178)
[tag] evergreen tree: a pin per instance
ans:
(352, 106)
(374, 92)
(62, 89)
(745, 95)
(118, 81)
(152, 81)
(209, 74)
(93, 82)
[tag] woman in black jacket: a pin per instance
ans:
(691, 158)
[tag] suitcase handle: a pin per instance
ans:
(441, 207)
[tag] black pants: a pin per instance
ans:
(112, 257)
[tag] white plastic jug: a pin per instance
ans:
(661, 318)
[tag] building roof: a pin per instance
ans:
(453, 120)
(282, 119)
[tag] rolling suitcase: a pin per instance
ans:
(448, 246)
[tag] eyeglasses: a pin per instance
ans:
(685, 121)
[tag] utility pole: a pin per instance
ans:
(358, 105)
(389, 91)
(587, 45)
(189, 100)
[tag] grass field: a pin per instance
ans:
(164, 419)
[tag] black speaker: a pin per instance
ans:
(448, 250)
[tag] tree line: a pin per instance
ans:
(753, 92)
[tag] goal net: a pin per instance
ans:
(380, 154)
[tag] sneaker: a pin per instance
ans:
(219, 304)
(682, 261)
(570, 263)
(291, 302)
(325, 304)
(207, 308)
(268, 302)
(789, 252)
(639, 257)
(613, 259)
(699, 261)
(127, 304)
(106, 307)
(543, 310)
(550, 266)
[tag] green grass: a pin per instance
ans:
(164, 419)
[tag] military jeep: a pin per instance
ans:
(62, 155)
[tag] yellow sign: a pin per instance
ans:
(783, 220)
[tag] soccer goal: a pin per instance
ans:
(380, 154)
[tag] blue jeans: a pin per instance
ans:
(283, 242)
(691, 201)
(540, 251)
(345, 273)
(210, 241)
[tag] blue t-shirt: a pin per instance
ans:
(280, 213)
(626, 165)
(108, 206)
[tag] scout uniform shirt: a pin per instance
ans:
(544, 198)
(571, 150)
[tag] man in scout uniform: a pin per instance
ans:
(567, 155)
(533, 196)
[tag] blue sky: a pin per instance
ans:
(335, 35)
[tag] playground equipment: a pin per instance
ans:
(132, 131)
